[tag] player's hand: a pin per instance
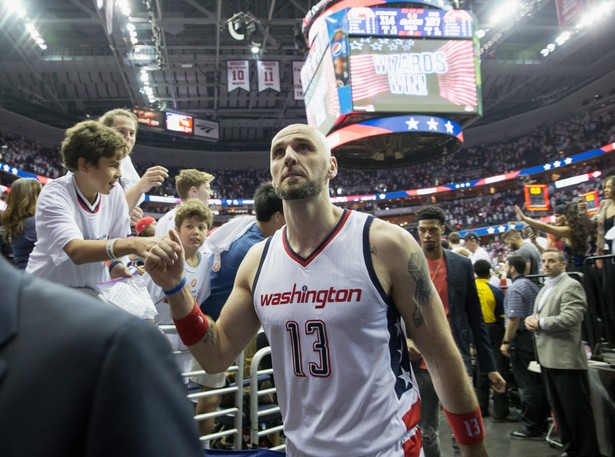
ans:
(498, 383)
(135, 216)
(153, 177)
(165, 261)
(474, 450)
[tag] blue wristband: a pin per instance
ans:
(179, 287)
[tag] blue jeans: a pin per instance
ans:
(429, 423)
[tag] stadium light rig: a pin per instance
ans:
(596, 14)
(16, 7)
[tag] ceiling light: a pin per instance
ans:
(255, 49)
(560, 40)
(504, 10)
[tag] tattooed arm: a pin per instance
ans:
(238, 322)
(403, 273)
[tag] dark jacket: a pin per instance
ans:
(81, 378)
(465, 314)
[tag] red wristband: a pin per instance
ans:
(192, 328)
(468, 428)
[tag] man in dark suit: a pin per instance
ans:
(81, 378)
(453, 278)
(558, 315)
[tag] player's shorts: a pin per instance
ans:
(205, 379)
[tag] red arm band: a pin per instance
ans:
(468, 428)
(192, 328)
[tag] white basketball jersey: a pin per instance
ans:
(343, 377)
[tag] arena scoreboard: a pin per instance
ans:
(592, 200)
(176, 123)
(392, 60)
(368, 62)
(536, 197)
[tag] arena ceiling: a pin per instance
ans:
(84, 71)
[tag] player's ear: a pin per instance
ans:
(332, 172)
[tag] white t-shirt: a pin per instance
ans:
(198, 279)
(479, 254)
(166, 223)
(130, 177)
(63, 214)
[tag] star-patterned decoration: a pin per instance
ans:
(377, 45)
(413, 124)
(406, 376)
(558, 163)
(433, 124)
(356, 45)
(408, 45)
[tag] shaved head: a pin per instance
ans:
(319, 140)
(301, 164)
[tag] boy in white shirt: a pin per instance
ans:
(189, 183)
(82, 217)
(192, 222)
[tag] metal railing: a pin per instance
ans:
(237, 389)
(258, 417)
(255, 393)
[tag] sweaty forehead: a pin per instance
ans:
(298, 132)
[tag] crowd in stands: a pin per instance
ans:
(27, 155)
(543, 144)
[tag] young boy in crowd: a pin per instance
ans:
(82, 217)
(192, 222)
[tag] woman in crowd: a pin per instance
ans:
(18, 219)
(574, 232)
(605, 218)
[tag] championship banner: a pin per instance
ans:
(569, 11)
(297, 87)
(109, 4)
(206, 129)
(238, 75)
(268, 75)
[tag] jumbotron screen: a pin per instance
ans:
(177, 122)
(423, 74)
